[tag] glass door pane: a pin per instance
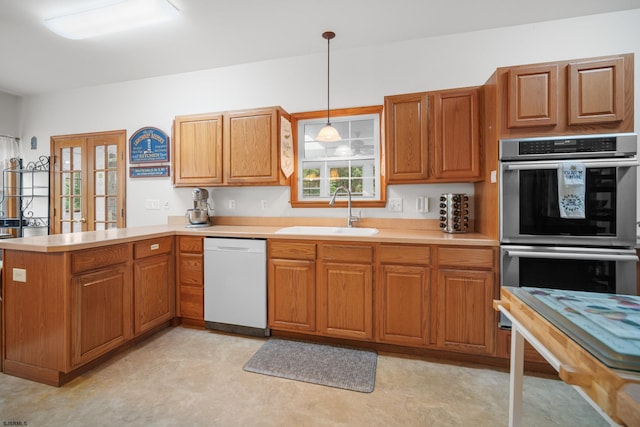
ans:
(105, 175)
(70, 214)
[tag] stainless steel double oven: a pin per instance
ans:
(542, 248)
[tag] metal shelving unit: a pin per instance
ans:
(25, 197)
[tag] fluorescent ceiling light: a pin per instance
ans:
(116, 17)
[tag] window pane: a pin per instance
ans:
(100, 209)
(77, 158)
(112, 188)
(66, 159)
(311, 182)
(351, 162)
(100, 157)
(112, 209)
(112, 153)
(100, 184)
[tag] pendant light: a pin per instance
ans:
(328, 133)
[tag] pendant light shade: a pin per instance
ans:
(328, 133)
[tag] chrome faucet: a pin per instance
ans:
(350, 218)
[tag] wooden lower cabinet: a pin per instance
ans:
(291, 286)
(101, 312)
(425, 296)
(292, 294)
(65, 310)
(153, 292)
(463, 316)
(190, 278)
(403, 295)
(322, 289)
(345, 290)
(153, 283)
(345, 300)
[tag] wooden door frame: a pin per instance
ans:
(87, 165)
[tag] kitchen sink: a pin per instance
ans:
(329, 231)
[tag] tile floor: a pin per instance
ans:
(191, 377)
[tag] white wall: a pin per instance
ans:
(10, 114)
(359, 77)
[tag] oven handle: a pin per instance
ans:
(587, 163)
(578, 256)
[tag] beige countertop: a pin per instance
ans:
(91, 239)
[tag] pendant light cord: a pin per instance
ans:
(328, 35)
(328, 73)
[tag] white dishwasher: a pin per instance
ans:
(235, 285)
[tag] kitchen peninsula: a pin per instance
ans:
(73, 300)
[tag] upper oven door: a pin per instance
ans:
(530, 213)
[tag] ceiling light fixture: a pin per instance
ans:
(116, 17)
(328, 133)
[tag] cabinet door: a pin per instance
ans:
(403, 309)
(456, 140)
(101, 312)
(197, 154)
(345, 300)
(596, 91)
(292, 295)
(251, 147)
(406, 137)
(532, 96)
(153, 292)
(463, 312)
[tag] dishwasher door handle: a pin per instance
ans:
(229, 249)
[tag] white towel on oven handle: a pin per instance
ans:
(571, 189)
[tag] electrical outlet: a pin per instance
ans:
(395, 205)
(232, 204)
(264, 204)
(165, 204)
(152, 204)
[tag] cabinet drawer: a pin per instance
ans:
(147, 248)
(191, 244)
(400, 254)
(292, 250)
(347, 253)
(100, 257)
(465, 257)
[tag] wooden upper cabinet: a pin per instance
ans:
(406, 137)
(433, 136)
(533, 96)
(456, 135)
(596, 91)
(251, 147)
(230, 148)
(197, 153)
(571, 97)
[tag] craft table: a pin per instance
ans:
(591, 340)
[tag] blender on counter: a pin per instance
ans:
(198, 216)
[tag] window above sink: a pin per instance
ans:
(353, 162)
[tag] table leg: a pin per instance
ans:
(515, 378)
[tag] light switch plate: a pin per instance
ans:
(19, 275)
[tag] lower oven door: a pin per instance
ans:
(579, 269)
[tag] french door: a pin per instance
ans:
(88, 182)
